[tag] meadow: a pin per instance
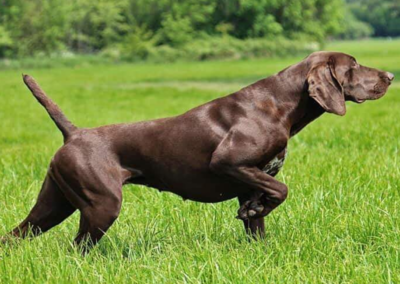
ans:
(340, 223)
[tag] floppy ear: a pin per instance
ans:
(325, 89)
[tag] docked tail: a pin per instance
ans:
(62, 122)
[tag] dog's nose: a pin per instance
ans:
(390, 76)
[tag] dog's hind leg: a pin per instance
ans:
(50, 210)
(95, 221)
(96, 192)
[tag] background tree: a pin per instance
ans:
(136, 27)
(382, 15)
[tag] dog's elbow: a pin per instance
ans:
(219, 165)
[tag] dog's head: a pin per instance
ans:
(335, 77)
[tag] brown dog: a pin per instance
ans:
(230, 147)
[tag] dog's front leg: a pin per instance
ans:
(268, 193)
(238, 157)
(254, 227)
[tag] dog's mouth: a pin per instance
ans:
(359, 101)
(356, 100)
(377, 92)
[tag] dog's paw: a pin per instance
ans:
(251, 209)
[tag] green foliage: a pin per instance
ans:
(137, 44)
(354, 28)
(208, 48)
(224, 28)
(382, 15)
(34, 26)
(94, 25)
(29, 28)
(5, 41)
(153, 29)
(233, 48)
(314, 19)
(177, 30)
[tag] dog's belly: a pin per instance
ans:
(203, 185)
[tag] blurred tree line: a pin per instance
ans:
(382, 16)
(138, 28)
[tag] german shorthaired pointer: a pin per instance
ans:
(231, 147)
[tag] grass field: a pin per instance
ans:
(340, 224)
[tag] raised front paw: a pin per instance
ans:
(251, 209)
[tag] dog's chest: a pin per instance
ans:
(276, 164)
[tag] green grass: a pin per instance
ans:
(340, 223)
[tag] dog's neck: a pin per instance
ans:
(291, 97)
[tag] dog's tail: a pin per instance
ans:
(62, 122)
